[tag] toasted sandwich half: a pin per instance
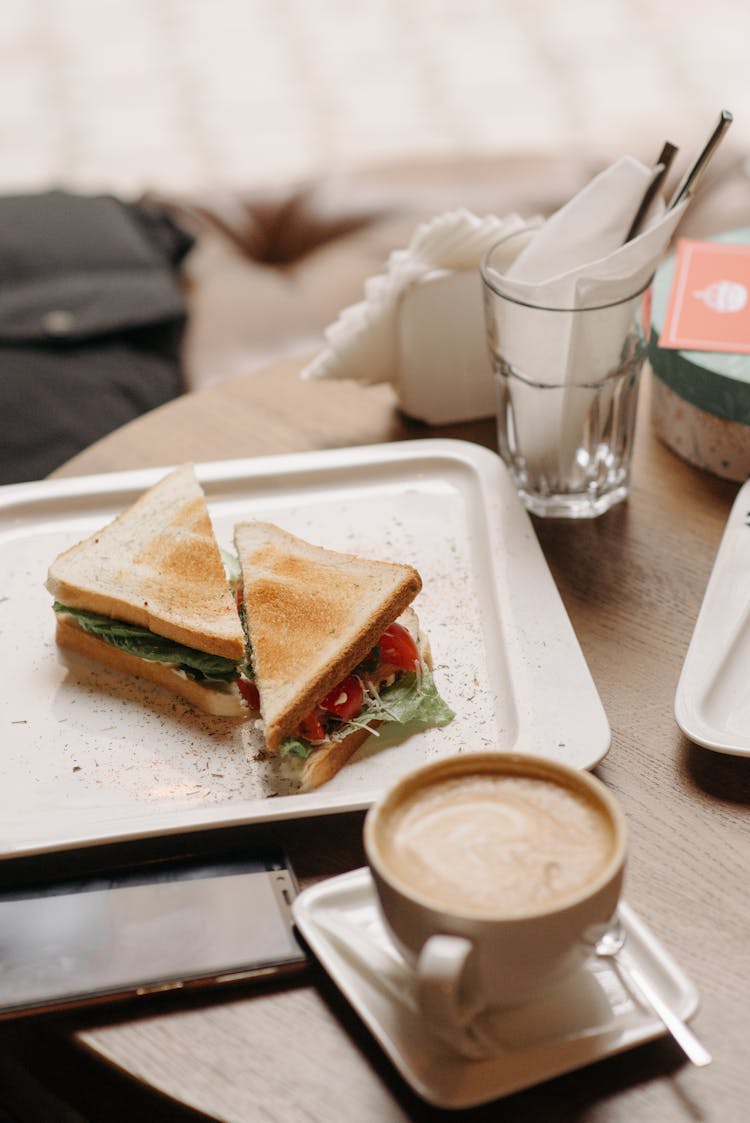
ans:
(148, 595)
(334, 646)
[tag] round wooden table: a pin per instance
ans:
(632, 582)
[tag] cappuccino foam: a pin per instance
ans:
(497, 844)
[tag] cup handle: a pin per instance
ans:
(443, 993)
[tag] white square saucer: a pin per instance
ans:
(590, 1015)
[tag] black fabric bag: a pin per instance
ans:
(91, 322)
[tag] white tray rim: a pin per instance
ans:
(695, 674)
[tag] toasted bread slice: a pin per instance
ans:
(157, 565)
(222, 702)
(312, 615)
(329, 758)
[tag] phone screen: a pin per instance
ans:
(155, 928)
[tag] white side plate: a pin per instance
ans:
(712, 704)
(89, 754)
(590, 1015)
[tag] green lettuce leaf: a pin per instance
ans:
(411, 700)
(233, 570)
(198, 665)
(292, 746)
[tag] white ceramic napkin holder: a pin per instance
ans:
(443, 371)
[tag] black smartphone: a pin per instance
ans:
(164, 925)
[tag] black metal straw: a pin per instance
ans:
(690, 180)
(661, 171)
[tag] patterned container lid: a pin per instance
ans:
(717, 382)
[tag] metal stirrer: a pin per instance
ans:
(690, 180)
(609, 946)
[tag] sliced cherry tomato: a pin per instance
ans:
(249, 692)
(311, 729)
(398, 649)
(345, 700)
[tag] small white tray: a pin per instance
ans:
(712, 703)
(89, 754)
(586, 1017)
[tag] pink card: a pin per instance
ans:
(708, 308)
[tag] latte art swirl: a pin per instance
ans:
(497, 844)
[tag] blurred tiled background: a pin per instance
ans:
(179, 94)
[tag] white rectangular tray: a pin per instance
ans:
(712, 703)
(91, 755)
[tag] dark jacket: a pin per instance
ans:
(91, 322)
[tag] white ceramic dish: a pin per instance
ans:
(587, 1017)
(712, 703)
(90, 755)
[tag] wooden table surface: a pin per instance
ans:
(632, 582)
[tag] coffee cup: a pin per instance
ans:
(490, 868)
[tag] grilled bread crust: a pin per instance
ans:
(312, 615)
(329, 758)
(157, 565)
(221, 703)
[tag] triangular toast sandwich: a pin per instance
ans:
(326, 644)
(148, 594)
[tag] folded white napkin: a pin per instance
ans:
(420, 325)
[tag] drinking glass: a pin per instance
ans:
(567, 382)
